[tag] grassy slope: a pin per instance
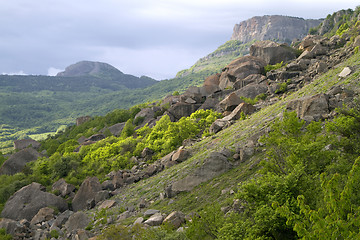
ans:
(236, 135)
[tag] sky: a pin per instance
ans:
(156, 38)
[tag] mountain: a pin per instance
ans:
(257, 151)
(273, 27)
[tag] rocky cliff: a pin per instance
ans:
(274, 27)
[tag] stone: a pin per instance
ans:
(356, 42)
(44, 215)
(78, 220)
(150, 212)
(11, 226)
(209, 103)
(17, 161)
(252, 90)
(155, 220)
(230, 102)
(245, 154)
(311, 107)
(239, 69)
(152, 169)
(139, 220)
(246, 108)
(62, 218)
(101, 196)
(218, 125)
(253, 78)
(25, 143)
(213, 166)
(116, 129)
(345, 72)
(107, 185)
(318, 50)
(180, 155)
(180, 110)
(175, 218)
(211, 84)
(272, 52)
(305, 55)
(107, 204)
(190, 101)
(147, 114)
(27, 202)
(86, 192)
(64, 188)
(147, 153)
(95, 138)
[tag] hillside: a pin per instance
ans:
(257, 152)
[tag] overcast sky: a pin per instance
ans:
(156, 38)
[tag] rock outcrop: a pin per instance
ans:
(24, 143)
(272, 52)
(85, 196)
(283, 28)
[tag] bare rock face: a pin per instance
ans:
(78, 220)
(229, 103)
(17, 161)
(252, 90)
(211, 84)
(272, 52)
(27, 202)
(180, 110)
(86, 193)
(283, 28)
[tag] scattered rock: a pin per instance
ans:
(229, 103)
(107, 204)
(218, 125)
(139, 220)
(44, 214)
(150, 212)
(180, 110)
(180, 155)
(252, 90)
(246, 108)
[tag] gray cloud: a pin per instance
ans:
(155, 38)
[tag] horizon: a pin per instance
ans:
(156, 39)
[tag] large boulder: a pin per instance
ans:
(175, 218)
(63, 188)
(27, 202)
(311, 107)
(146, 115)
(86, 193)
(253, 78)
(17, 161)
(11, 226)
(180, 110)
(78, 220)
(213, 166)
(252, 90)
(246, 108)
(272, 52)
(211, 84)
(239, 69)
(115, 129)
(229, 103)
(24, 143)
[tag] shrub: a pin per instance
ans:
(269, 67)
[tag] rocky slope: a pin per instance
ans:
(202, 171)
(273, 27)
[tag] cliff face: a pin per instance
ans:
(274, 27)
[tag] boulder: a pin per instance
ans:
(180, 110)
(155, 220)
(150, 212)
(209, 103)
(24, 143)
(180, 155)
(78, 220)
(211, 84)
(62, 219)
(45, 214)
(318, 50)
(229, 103)
(252, 90)
(253, 78)
(107, 204)
(11, 226)
(147, 114)
(63, 187)
(213, 166)
(196, 94)
(310, 107)
(246, 108)
(175, 218)
(17, 161)
(95, 138)
(272, 52)
(117, 128)
(239, 69)
(27, 202)
(87, 192)
(218, 125)
(345, 72)
(81, 120)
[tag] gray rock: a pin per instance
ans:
(138, 220)
(44, 214)
(229, 103)
(272, 52)
(155, 220)
(180, 110)
(107, 204)
(17, 161)
(26, 202)
(345, 72)
(11, 226)
(24, 143)
(62, 218)
(150, 212)
(87, 191)
(246, 108)
(180, 155)
(252, 90)
(219, 125)
(78, 220)
(63, 187)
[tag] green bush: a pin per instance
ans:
(4, 235)
(269, 67)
